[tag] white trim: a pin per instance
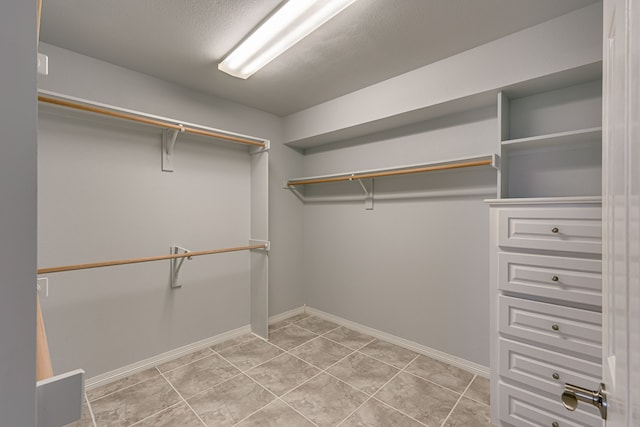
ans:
(472, 367)
(287, 314)
(545, 200)
(114, 108)
(292, 182)
(125, 371)
(117, 374)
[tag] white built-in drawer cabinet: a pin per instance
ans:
(546, 300)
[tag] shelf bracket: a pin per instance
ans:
(168, 145)
(495, 161)
(368, 192)
(294, 190)
(266, 243)
(257, 150)
(176, 264)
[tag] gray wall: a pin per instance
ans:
(102, 196)
(17, 213)
(562, 43)
(417, 265)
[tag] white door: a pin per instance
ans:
(621, 210)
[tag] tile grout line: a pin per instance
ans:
(244, 371)
(354, 411)
(154, 414)
(373, 396)
(123, 388)
(440, 385)
(355, 349)
(352, 351)
(215, 385)
(396, 409)
(140, 382)
(457, 401)
(474, 399)
(370, 396)
(387, 363)
(265, 388)
(183, 399)
(93, 418)
(276, 398)
(186, 364)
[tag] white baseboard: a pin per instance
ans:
(134, 368)
(287, 314)
(475, 368)
(142, 365)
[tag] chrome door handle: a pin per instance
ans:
(573, 394)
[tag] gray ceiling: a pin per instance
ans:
(183, 40)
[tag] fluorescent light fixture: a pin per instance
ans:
(287, 26)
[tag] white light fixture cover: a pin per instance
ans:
(288, 25)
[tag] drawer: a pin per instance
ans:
(568, 329)
(551, 228)
(568, 279)
(519, 407)
(547, 370)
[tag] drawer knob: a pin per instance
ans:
(556, 376)
(555, 327)
(554, 278)
(555, 230)
(555, 424)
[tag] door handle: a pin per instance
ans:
(573, 394)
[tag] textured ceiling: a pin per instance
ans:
(372, 40)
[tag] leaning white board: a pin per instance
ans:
(59, 399)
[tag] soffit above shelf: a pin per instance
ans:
(578, 75)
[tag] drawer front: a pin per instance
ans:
(568, 279)
(569, 329)
(551, 228)
(522, 408)
(546, 370)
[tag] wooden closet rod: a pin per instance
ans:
(147, 121)
(148, 259)
(366, 175)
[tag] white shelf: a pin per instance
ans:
(571, 137)
(356, 174)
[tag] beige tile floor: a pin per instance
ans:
(312, 372)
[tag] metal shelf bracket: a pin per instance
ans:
(368, 192)
(294, 190)
(176, 264)
(266, 243)
(495, 161)
(257, 150)
(168, 145)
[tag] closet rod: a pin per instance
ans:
(367, 175)
(148, 259)
(147, 121)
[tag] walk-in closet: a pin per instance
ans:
(398, 213)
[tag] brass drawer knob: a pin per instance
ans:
(556, 376)
(554, 278)
(555, 424)
(555, 230)
(555, 327)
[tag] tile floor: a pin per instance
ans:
(312, 373)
